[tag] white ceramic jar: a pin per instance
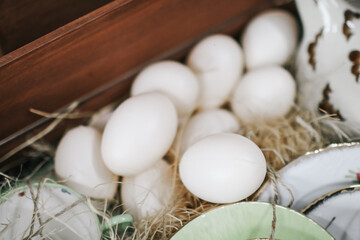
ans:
(327, 63)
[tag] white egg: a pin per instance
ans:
(79, 163)
(218, 63)
(206, 123)
(148, 192)
(264, 93)
(270, 38)
(223, 168)
(173, 79)
(139, 133)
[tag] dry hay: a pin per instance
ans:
(281, 141)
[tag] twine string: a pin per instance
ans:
(287, 189)
(272, 175)
(275, 177)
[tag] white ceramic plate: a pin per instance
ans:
(339, 212)
(17, 207)
(315, 174)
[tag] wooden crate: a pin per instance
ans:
(93, 58)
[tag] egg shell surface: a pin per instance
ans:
(270, 38)
(264, 93)
(79, 163)
(217, 61)
(206, 123)
(173, 79)
(148, 192)
(139, 133)
(223, 168)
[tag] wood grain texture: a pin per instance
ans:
(103, 49)
(24, 21)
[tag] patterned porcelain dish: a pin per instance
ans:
(328, 59)
(338, 212)
(251, 220)
(315, 174)
(77, 222)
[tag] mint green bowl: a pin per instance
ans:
(251, 220)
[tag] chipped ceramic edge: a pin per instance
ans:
(306, 156)
(314, 204)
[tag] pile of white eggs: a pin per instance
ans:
(217, 164)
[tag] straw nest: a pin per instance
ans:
(281, 141)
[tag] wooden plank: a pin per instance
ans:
(60, 32)
(24, 21)
(91, 52)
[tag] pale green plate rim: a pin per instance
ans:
(189, 227)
